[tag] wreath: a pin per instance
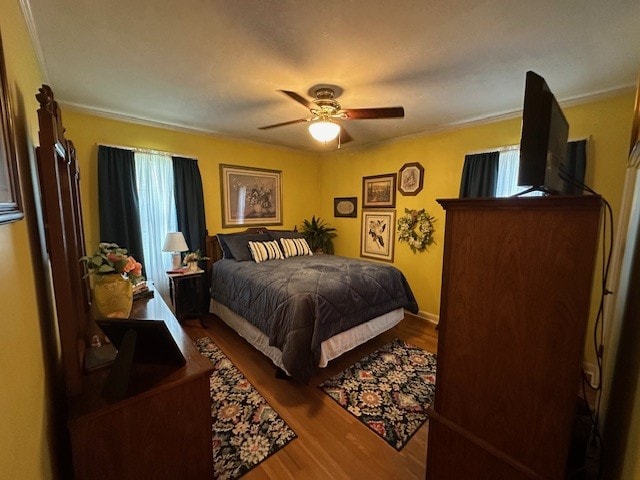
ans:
(416, 228)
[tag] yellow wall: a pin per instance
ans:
(606, 122)
(299, 170)
(26, 416)
(442, 157)
(28, 350)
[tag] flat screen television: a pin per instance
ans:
(543, 143)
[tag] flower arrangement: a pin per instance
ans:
(193, 257)
(259, 195)
(110, 259)
(416, 228)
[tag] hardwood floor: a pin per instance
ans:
(331, 442)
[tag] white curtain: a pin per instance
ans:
(507, 183)
(154, 178)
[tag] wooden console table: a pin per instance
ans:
(160, 430)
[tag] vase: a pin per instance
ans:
(193, 266)
(257, 208)
(112, 296)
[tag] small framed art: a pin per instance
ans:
(10, 200)
(411, 178)
(378, 234)
(250, 196)
(345, 207)
(379, 191)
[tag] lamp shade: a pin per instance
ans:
(324, 131)
(175, 242)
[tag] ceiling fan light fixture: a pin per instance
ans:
(324, 130)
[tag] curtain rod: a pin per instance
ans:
(146, 150)
(506, 148)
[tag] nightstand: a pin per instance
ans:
(187, 291)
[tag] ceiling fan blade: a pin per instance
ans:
(344, 135)
(371, 113)
(298, 98)
(300, 120)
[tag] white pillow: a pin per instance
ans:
(294, 247)
(261, 251)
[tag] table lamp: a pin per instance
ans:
(175, 242)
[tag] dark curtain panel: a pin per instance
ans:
(118, 200)
(479, 175)
(189, 202)
(574, 166)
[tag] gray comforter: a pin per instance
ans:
(302, 301)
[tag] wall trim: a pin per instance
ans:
(429, 317)
(459, 125)
(626, 235)
(120, 117)
(25, 6)
(494, 118)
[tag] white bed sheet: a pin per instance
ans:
(330, 348)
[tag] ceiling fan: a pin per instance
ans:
(325, 111)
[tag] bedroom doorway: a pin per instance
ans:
(621, 372)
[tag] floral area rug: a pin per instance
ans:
(389, 390)
(245, 429)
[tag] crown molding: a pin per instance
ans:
(25, 6)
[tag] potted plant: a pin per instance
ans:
(114, 274)
(191, 259)
(319, 235)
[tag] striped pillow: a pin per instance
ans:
(261, 251)
(293, 247)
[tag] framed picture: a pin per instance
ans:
(10, 201)
(411, 178)
(250, 196)
(378, 234)
(379, 191)
(345, 207)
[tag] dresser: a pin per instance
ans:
(161, 427)
(516, 286)
(160, 430)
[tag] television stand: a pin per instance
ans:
(516, 275)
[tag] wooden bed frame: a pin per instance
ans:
(335, 345)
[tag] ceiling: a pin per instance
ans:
(215, 65)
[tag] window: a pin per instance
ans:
(142, 196)
(157, 206)
(507, 182)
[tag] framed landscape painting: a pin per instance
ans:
(10, 202)
(250, 196)
(379, 191)
(378, 234)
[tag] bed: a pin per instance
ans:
(303, 310)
